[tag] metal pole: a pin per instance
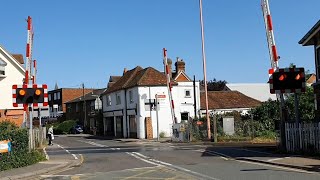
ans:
(205, 72)
(194, 97)
(156, 106)
(296, 108)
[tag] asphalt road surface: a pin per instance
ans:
(108, 159)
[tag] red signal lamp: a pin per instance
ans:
(282, 77)
(298, 77)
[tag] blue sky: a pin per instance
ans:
(87, 41)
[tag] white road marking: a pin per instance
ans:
(157, 162)
(137, 157)
(93, 143)
(212, 153)
(276, 159)
(75, 157)
(45, 152)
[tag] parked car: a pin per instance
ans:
(76, 130)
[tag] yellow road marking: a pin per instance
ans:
(75, 177)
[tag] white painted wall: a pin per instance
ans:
(140, 94)
(13, 75)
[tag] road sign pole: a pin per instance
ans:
(156, 106)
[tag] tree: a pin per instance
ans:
(214, 85)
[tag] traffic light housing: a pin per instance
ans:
(287, 80)
(30, 94)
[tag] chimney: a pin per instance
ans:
(125, 70)
(169, 67)
(180, 65)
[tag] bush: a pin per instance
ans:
(162, 134)
(19, 156)
(64, 127)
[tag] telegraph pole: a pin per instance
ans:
(84, 106)
(205, 75)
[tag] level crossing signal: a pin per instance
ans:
(287, 80)
(30, 94)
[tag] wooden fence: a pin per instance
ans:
(38, 138)
(303, 137)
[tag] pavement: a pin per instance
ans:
(61, 158)
(52, 164)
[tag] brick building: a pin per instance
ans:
(58, 97)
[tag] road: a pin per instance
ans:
(108, 159)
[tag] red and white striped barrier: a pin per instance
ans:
(169, 85)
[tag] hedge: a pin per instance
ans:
(20, 155)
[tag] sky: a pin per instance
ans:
(82, 41)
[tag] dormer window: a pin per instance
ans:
(3, 64)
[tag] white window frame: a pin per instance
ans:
(185, 93)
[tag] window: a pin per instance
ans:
(69, 108)
(59, 108)
(187, 93)
(118, 99)
(185, 116)
(2, 67)
(58, 95)
(92, 107)
(130, 97)
(54, 96)
(49, 97)
(77, 107)
(108, 100)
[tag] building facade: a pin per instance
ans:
(11, 72)
(58, 97)
(89, 117)
(129, 104)
(312, 38)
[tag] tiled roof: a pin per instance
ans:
(227, 100)
(114, 78)
(89, 96)
(19, 58)
(124, 80)
(139, 77)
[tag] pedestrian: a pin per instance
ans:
(50, 135)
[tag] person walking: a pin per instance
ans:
(50, 135)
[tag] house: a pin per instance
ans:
(90, 116)
(58, 97)
(312, 38)
(220, 102)
(258, 91)
(128, 105)
(11, 72)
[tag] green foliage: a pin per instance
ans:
(19, 156)
(306, 105)
(162, 134)
(64, 127)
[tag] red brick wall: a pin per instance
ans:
(70, 94)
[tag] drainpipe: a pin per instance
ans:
(125, 111)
